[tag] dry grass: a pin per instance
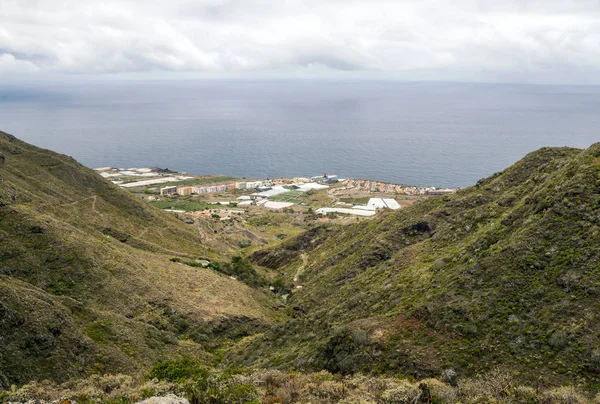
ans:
(316, 388)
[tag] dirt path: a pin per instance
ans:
(81, 200)
(301, 269)
(94, 198)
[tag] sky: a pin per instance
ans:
(521, 41)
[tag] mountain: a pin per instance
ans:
(505, 274)
(88, 281)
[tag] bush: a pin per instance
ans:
(38, 390)
(496, 384)
(178, 371)
(595, 360)
(242, 270)
(360, 337)
(558, 339)
(402, 394)
(329, 390)
(525, 394)
(562, 395)
(440, 392)
(279, 285)
(106, 389)
(244, 243)
(221, 389)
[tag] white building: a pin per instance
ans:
(277, 205)
(357, 212)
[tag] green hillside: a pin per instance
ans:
(87, 278)
(505, 273)
(499, 281)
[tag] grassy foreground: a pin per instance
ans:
(200, 385)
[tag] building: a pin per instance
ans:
(255, 184)
(277, 205)
(184, 191)
(211, 189)
(240, 185)
(168, 191)
(358, 212)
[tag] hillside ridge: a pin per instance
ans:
(503, 273)
(87, 277)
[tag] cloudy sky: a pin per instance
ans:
(548, 41)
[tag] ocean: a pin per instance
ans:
(430, 134)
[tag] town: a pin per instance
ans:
(361, 198)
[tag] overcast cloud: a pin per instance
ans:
(500, 40)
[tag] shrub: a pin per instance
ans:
(329, 390)
(241, 269)
(218, 389)
(402, 394)
(360, 337)
(280, 285)
(100, 332)
(271, 383)
(496, 384)
(178, 371)
(38, 390)
(595, 360)
(558, 339)
(525, 394)
(441, 392)
(244, 243)
(562, 395)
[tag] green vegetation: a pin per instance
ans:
(356, 201)
(178, 371)
(189, 205)
(206, 180)
(241, 269)
(86, 284)
(200, 384)
(238, 267)
(504, 273)
(292, 196)
(471, 297)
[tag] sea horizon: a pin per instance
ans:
(443, 134)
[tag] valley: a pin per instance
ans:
(436, 300)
